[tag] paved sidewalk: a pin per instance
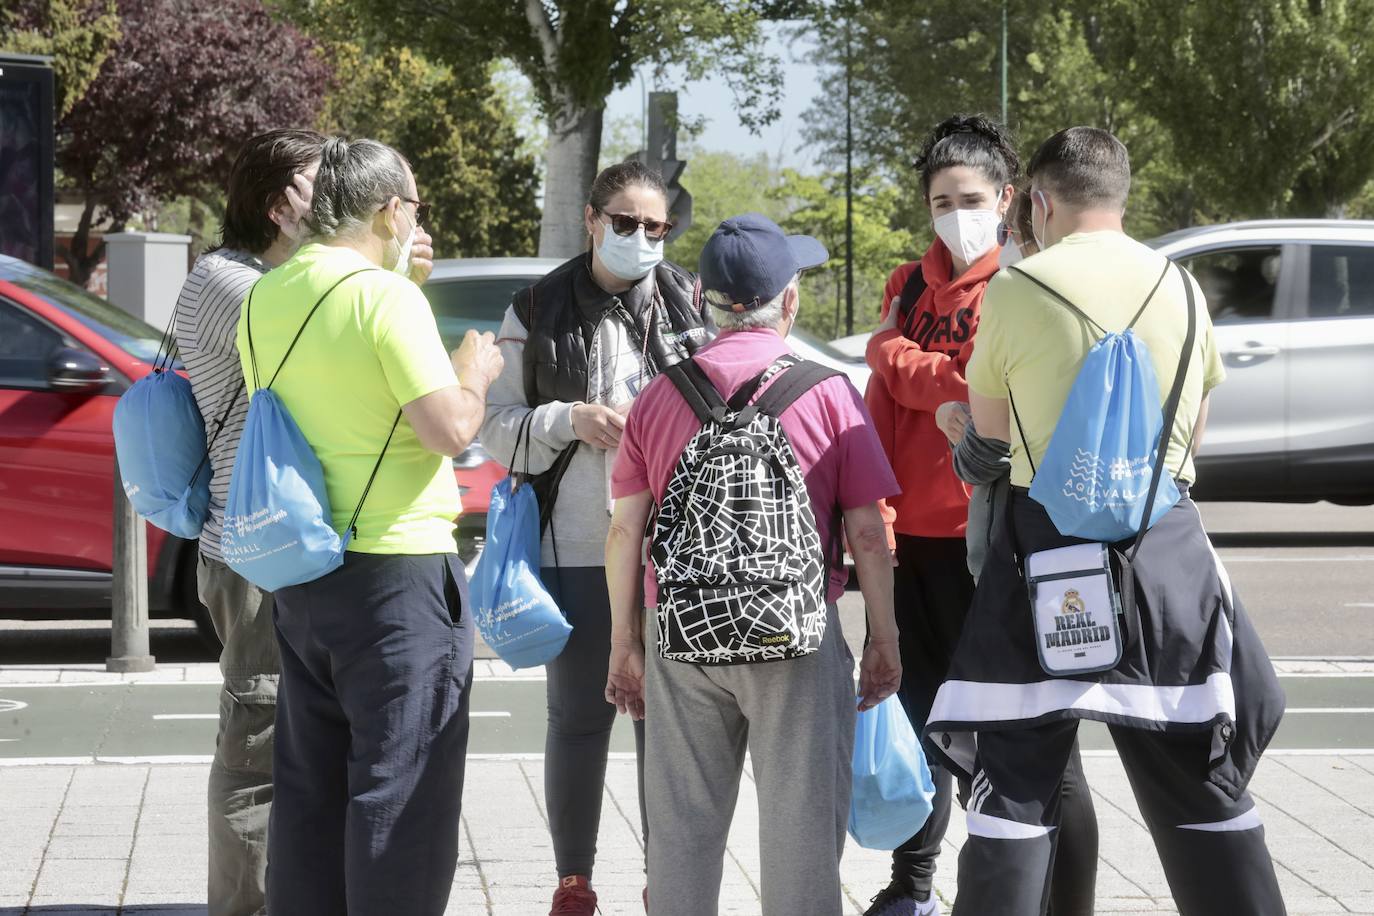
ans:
(125, 839)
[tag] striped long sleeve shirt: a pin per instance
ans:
(207, 317)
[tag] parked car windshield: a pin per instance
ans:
(132, 335)
(461, 303)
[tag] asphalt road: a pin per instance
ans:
(1304, 573)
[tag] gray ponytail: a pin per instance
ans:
(355, 180)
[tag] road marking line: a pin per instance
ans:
(12, 705)
(1361, 604)
(1354, 558)
(186, 715)
(1333, 710)
(533, 757)
(489, 715)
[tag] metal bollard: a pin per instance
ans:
(128, 587)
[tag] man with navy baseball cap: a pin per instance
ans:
(708, 687)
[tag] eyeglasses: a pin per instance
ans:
(624, 224)
(1005, 233)
(421, 210)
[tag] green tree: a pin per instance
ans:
(722, 185)
(1266, 101)
(77, 34)
(575, 53)
(815, 206)
(451, 122)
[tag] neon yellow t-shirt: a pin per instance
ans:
(1031, 344)
(370, 348)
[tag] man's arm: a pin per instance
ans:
(991, 416)
(1201, 425)
(624, 544)
(447, 420)
(880, 672)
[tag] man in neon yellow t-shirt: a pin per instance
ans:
(376, 656)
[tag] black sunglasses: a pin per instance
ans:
(624, 224)
(1005, 232)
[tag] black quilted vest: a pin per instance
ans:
(562, 310)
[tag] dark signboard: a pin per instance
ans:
(26, 159)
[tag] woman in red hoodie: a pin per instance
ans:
(918, 355)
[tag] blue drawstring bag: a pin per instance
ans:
(164, 463)
(515, 614)
(1104, 464)
(278, 527)
(892, 791)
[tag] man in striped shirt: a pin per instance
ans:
(267, 196)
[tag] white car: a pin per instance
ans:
(1292, 302)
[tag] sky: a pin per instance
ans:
(711, 98)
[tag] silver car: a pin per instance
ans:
(1292, 302)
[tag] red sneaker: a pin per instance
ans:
(574, 897)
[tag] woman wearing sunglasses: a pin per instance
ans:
(579, 346)
(918, 354)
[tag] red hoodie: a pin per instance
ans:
(913, 377)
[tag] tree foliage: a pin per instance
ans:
(77, 34)
(575, 53)
(449, 121)
(1230, 109)
(185, 85)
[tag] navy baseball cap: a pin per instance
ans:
(749, 259)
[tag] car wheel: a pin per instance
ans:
(189, 597)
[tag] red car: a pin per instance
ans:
(65, 357)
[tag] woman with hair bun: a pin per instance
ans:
(968, 167)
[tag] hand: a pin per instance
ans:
(421, 256)
(298, 195)
(880, 672)
(953, 418)
(889, 323)
(597, 425)
(625, 679)
(477, 361)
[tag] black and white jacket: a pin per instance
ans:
(1192, 661)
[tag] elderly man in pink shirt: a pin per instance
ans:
(794, 715)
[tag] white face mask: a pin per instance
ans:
(1009, 255)
(1045, 227)
(629, 257)
(402, 265)
(968, 234)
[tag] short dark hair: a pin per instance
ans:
(260, 174)
(974, 141)
(616, 178)
(1083, 167)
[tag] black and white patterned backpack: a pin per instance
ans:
(741, 570)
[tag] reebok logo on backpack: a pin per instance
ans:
(741, 570)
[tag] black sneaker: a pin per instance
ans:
(893, 900)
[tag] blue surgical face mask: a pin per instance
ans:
(629, 257)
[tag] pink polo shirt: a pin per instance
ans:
(829, 429)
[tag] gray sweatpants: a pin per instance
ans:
(240, 792)
(796, 720)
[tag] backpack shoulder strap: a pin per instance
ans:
(1154, 289)
(741, 398)
(1185, 357)
(912, 290)
(795, 382)
(248, 321)
(696, 389)
(1055, 293)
